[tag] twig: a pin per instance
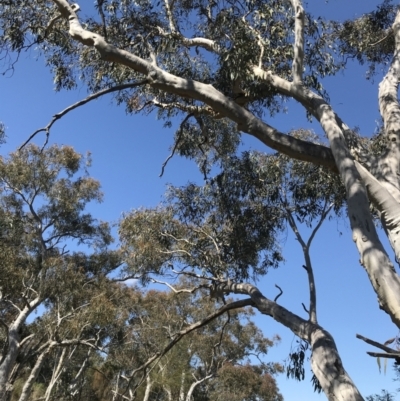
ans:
(304, 307)
(176, 144)
(383, 39)
(78, 104)
(281, 292)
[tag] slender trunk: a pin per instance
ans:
(73, 387)
(148, 388)
(55, 375)
(189, 394)
(27, 389)
(9, 360)
(182, 388)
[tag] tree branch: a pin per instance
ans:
(78, 104)
(220, 104)
(377, 345)
(298, 47)
(176, 143)
(178, 336)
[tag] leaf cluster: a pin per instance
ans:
(230, 226)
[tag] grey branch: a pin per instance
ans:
(81, 103)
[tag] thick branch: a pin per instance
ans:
(388, 102)
(386, 204)
(373, 256)
(326, 362)
(220, 104)
(298, 47)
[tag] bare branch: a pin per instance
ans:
(308, 266)
(383, 355)
(183, 290)
(323, 216)
(280, 293)
(176, 143)
(377, 345)
(81, 103)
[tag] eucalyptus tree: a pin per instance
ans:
(194, 368)
(42, 206)
(226, 234)
(222, 67)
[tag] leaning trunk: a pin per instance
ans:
(27, 389)
(8, 363)
(326, 362)
(328, 369)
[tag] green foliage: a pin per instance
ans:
(369, 39)
(224, 345)
(230, 226)
(384, 396)
(244, 35)
(43, 197)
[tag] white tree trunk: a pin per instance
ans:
(27, 389)
(326, 362)
(13, 349)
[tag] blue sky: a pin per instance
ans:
(128, 152)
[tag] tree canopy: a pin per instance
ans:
(224, 70)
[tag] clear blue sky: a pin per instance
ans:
(128, 152)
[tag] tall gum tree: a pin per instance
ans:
(222, 67)
(42, 204)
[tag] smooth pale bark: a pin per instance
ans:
(148, 388)
(386, 204)
(325, 359)
(9, 360)
(387, 168)
(27, 388)
(219, 104)
(373, 257)
(182, 388)
(298, 47)
(56, 374)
